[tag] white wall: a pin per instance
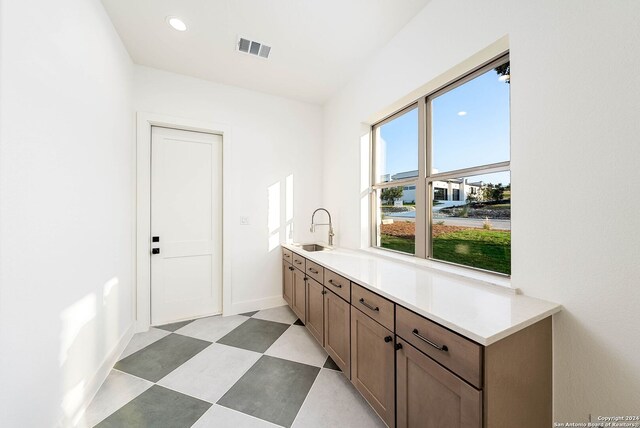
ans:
(66, 205)
(272, 138)
(575, 100)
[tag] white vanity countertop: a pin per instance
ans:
(480, 312)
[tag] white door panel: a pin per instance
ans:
(186, 215)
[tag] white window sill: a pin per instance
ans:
(491, 279)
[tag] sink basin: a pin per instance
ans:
(313, 247)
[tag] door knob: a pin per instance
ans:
(388, 339)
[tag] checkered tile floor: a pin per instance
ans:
(260, 369)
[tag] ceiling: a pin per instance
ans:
(317, 45)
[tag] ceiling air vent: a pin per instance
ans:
(253, 48)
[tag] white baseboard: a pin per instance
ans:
(105, 368)
(254, 305)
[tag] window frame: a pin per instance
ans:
(424, 182)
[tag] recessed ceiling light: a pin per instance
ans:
(462, 113)
(177, 23)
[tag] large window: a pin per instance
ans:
(442, 182)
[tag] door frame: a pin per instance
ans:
(144, 122)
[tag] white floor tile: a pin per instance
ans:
(211, 328)
(297, 344)
(219, 416)
(142, 340)
(282, 314)
(117, 390)
(334, 402)
(211, 373)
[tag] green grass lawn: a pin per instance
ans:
(484, 249)
(399, 244)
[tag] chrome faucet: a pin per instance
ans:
(313, 225)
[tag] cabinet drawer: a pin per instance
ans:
(287, 255)
(458, 354)
(298, 261)
(315, 271)
(377, 307)
(338, 284)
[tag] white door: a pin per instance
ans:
(186, 225)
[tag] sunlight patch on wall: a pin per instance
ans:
(111, 311)
(108, 288)
(273, 217)
(72, 402)
(73, 320)
(289, 208)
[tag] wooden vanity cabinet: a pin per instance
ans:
(446, 380)
(326, 315)
(372, 364)
(287, 282)
(337, 331)
(415, 372)
(299, 305)
(315, 309)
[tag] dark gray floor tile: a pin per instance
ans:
(273, 389)
(250, 314)
(161, 357)
(298, 322)
(254, 335)
(330, 364)
(157, 407)
(174, 326)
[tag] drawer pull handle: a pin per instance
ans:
(442, 348)
(287, 255)
(291, 268)
(388, 339)
(312, 270)
(373, 308)
(298, 262)
(335, 284)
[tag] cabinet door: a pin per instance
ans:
(299, 294)
(337, 331)
(431, 396)
(372, 365)
(315, 309)
(287, 282)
